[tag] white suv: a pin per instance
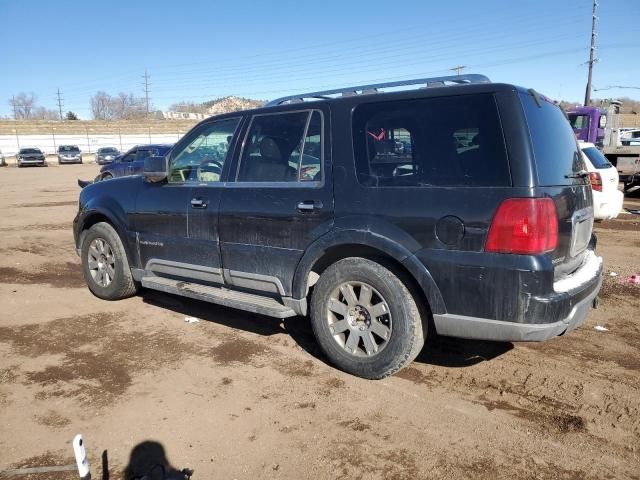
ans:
(607, 198)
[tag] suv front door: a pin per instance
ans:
(280, 202)
(177, 220)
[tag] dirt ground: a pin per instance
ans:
(244, 396)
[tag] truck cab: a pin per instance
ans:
(589, 124)
(601, 126)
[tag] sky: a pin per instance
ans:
(200, 50)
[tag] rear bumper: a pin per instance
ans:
(576, 293)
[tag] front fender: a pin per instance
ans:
(367, 238)
(112, 201)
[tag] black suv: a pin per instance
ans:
(463, 210)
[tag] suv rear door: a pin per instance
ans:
(281, 199)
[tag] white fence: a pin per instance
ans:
(48, 143)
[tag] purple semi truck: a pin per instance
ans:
(601, 126)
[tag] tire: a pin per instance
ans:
(378, 357)
(107, 280)
(107, 176)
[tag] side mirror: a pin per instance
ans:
(155, 169)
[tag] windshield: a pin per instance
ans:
(108, 150)
(28, 151)
(69, 148)
(554, 144)
(597, 158)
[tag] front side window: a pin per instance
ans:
(446, 141)
(578, 122)
(142, 154)
(202, 157)
(129, 157)
(283, 147)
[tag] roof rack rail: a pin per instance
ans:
(376, 87)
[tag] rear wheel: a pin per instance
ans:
(365, 318)
(105, 264)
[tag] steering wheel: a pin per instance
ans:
(209, 166)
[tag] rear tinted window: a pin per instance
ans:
(596, 157)
(554, 143)
(446, 141)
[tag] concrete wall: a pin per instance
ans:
(9, 144)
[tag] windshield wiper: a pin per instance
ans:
(579, 174)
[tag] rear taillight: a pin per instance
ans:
(596, 181)
(524, 226)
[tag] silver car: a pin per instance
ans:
(69, 154)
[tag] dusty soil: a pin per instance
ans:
(243, 396)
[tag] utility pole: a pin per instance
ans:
(592, 51)
(146, 90)
(458, 69)
(60, 104)
(13, 105)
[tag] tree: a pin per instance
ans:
(71, 116)
(124, 106)
(101, 106)
(42, 113)
(23, 105)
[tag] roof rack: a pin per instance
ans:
(376, 87)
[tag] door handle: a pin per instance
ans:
(198, 203)
(309, 205)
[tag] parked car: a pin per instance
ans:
(607, 198)
(381, 249)
(30, 156)
(106, 155)
(3, 162)
(132, 162)
(69, 154)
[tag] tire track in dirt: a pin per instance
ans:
(57, 275)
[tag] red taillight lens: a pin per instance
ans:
(596, 181)
(524, 226)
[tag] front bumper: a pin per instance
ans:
(32, 162)
(576, 292)
(70, 160)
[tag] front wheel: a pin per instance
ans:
(107, 176)
(105, 264)
(365, 318)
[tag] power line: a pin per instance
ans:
(592, 51)
(60, 104)
(369, 51)
(612, 87)
(458, 69)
